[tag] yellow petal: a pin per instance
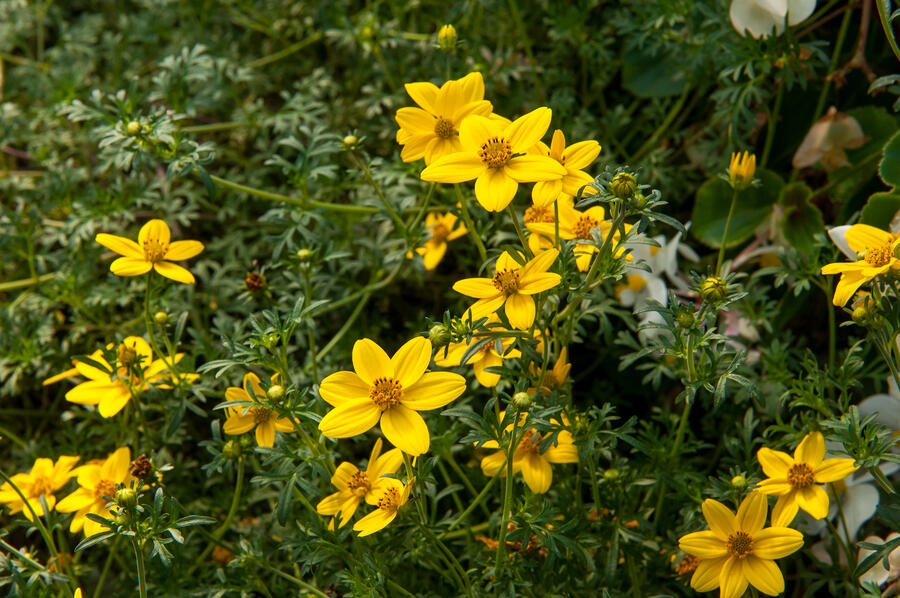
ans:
(60, 376)
(265, 434)
(775, 487)
(529, 169)
(433, 390)
(847, 287)
(785, 510)
(775, 464)
(764, 575)
(493, 463)
(341, 387)
(423, 93)
(478, 288)
(520, 311)
(117, 466)
(527, 130)
(485, 378)
(811, 450)
(411, 360)
(130, 266)
(350, 419)
(416, 120)
(832, 470)
(371, 362)
(538, 282)
(582, 154)
(776, 542)
(706, 545)
(472, 87)
(862, 236)
(406, 430)
(174, 272)
(120, 245)
(373, 522)
(813, 500)
(537, 473)
(155, 230)
(475, 131)
(111, 404)
(544, 193)
(455, 168)
(840, 267)
(91, 393)
(751, 515)
(183, 250)
(539, 263)
(494, 189)
(721, 520)
(706, 576)
(732, 582)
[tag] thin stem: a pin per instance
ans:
(398, 222)
(828, 288)
(663, 127)
(474, 504)
(310, 333)
(213, 127)
(25, 282)
(835, 55)
(232, 511)
(300, 583)
(451, 460)
(515, 220)
(773, 121)
(886, 24)
(467, 219)
(139, 562)
(725, 233)
(305, 204)
(292, 49)
(346, 327)
(507, 496)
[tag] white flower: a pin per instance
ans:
(760, 17)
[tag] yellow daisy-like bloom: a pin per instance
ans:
(794, 480)
(242, 419)
(556, 377)
(573, 159)
(577, 226)
(111, 390)
(442, 231)
(528, 458)
(432, 130)
(98, 488)
(355, 485)
(741, 169)
(739, 550)
(392, 390)
(154, 250)
(877, 247)
(544, 215)
(496, 156)
(390, 496)
(511, 286)
(485, 357)
(44, 479)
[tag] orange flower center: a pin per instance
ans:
(260, 414)
(390, 500)
(385, 393)
(531, 442)
(443, 128)
(41, 485)
(495, 152)
(739, 544)
(359, 483)
(155, 250)
(105, 488)
(439, 233)
(687, 566)
(583, 227)
(126, 356)
(539, 214)
(506, 281)
(800, 475)
(879, 256)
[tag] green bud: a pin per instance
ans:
(738, 482)
(439, 335)
(126, 497)
(231, 450)
(161, 317)
(133, 129)
(685, 318)
(640, 200)
(522, 401)
(611, 474)
(350, 141)
(122, 518)
(623, 185)
(713, 289)
(275, 392)
(861, 314)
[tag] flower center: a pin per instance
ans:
(800, 475)
(390, 500)
(126, 356)
(439, 233)
(879, 256)
(105, 488)
(385, 393)
(583, 227)
(443, 128)
(41, 485)
(531, 442)
(740, 544)
(506, 281)
(260, 414)
(155, 250)
(539, 214)
(495, 152)
(359, 483)
(687, 566)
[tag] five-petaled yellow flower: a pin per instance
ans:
(577, 226)
(741, 169)
(354, 485)
(98, 488)
(794, 479)
(391, 495)
(154, 250)
(528, 458)
(392, 390)
(739, 550)
(111, 389)
(573, 159)
(441, 228)
(243, 418)
(513, 286)
(44, 479)
(485, 357)
(497, 158)
(432, 130)
(555, 378)
(877, 247)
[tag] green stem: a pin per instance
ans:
(451, 460)
(773, 121)
(474, 504)
(106, 566)
(519, 232)
(398, 222)
(835, 56)
(232, 511)
(526, 43)
(25, 282)
(883, 482)
(467, 219)
(292, 49)
(345, 328)
(886, 24)
(828, 288)
(300, 583)
(213, 127)
(851, 557)
(663, 127)
(305, 204)
(310, 333)
(725, 233)
(507, 497)
(139, 563)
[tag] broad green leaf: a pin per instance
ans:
(752, 207)
(889, 169)
(881, 209)
(649, 76)
(801, 221)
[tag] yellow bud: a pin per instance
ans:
(439, 335)
(447, 38)
(126, 497)
(713, 289)
(522, 401)
(738, 481)
(741, 170)
(623, 185)
(275, 392)
(160, 317)
(133, 129)
(350, 141)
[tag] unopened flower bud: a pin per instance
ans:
(713, 289)
(623, 185)
(685, 318)
(861, 314)
(304, 255)
(611, 474)
(231, 450)
(126, 497)
(275, 392)
(161, 317)
(439, 335)
(738, 482)
(522, 401)
(447, 38)
(133, 129)
(741, 170)
(350, 141)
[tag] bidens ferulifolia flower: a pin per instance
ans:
(98, 488)
(432, 130)
(761, 17)
(573, 159)
(577, 226)
(441, 228)
(392, 494)
(741, 169)
(511, 286)
(392, 390)
(739, 550)
(243, 418)
(354, 484)
(794, 480)
(154, 250)
(877, 247)
(485, 357)
(44, 479)
(496, 157)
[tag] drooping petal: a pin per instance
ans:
(130, 266)
(528, 129)
(564, 452)
(406, 430)
(423, 93)
(732, 581)
(764, 575)
(832, 470)
(432, 254)
(493, 464)
(520, 311)
(706, 575)
(813, 500)
(112, 403)
(847, 287)
(237, 423)
(411, 360)
(485, 378)
(183, 250)
(528, 169)
(495, 189)
(120, 245)
(751, 515)
(341, 387)
(775, 464)
(342, 475)
(370, 361)
(862, 236)
(433, 390)
(265, 434)
(811, 450)
(350, 419)
(174, 272)
(485, 307)
(785, 509)
(544, 193)
(91, 393)
(776, 542)
(455, 168)
(373, 522)
(706, 545)
(721, 520)
(537, 473)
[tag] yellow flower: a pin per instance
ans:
(44, 479)
(573, 159)
(151, 252)
(737, 550)
(528, 458)
(111, 389)
(513, 286)
(496, 157)
(447, 37)
(794, 480)
(98, 488)
(741, 169)
(442, 231)
(878, 247)
(556, 377)
(392, 390)
(243, 418)
(545, 215)
(485, 357)
(77, 593)
(354, 485)
(391, 495)
(432, 130)
(577, 226)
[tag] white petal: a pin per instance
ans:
(837, 236)
(758, 20)
(859, 504)
(800, 10)
(887, 408)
